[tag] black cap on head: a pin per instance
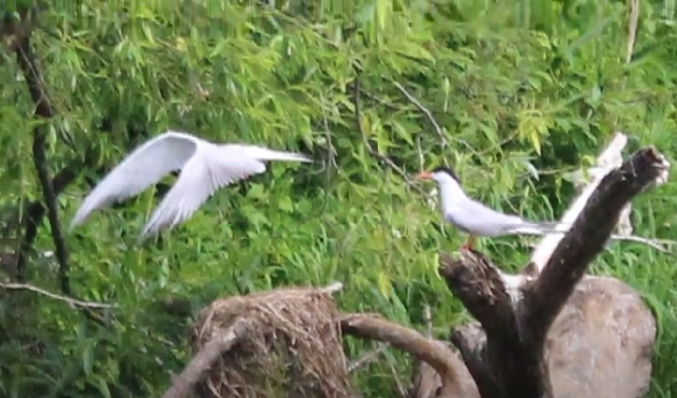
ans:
(448, 170)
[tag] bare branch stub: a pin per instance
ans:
(507, 358)
(545, 297)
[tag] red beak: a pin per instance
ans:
(424, 175)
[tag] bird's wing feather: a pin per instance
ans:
(265, 154)
(145, 166)
(210, 169)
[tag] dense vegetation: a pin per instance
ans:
(515, 86)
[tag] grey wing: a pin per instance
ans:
(204, 174)
(474, 217)
(145, 166)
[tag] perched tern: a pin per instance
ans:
(474, 218)
(205, 168)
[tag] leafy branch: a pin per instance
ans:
(43, 109)
(428, 114)
(17, 36)
(51, 187)
(385, 159)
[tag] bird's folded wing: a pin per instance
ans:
(474, 217)
(145, 166)
(203, 175)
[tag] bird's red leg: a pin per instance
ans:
(469, 242)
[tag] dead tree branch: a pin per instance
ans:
(69, 300)
(479, 285)
(488, 298)
(425, 379)
(374, 327)
(203, 360)
(588, 235)
(609, 159)
(507, 358)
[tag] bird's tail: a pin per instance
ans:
(270, 154)
(543, 228)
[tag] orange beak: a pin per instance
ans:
(424, 175)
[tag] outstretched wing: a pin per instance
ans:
(145, 166)
(212, 168)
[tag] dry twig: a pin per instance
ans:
(633, 17)
(425, 379)
(71, 301)
(398, 383)
(659, 244)
(366, 358)
(333, 288)
(428, 318)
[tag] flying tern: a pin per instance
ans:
(474, 218)
(205, 168)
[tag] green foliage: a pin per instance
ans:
(515, 86)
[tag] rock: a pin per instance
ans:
(600, 346)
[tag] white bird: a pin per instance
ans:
(474, 218)
(205, 168)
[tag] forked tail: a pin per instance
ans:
(262, 153)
